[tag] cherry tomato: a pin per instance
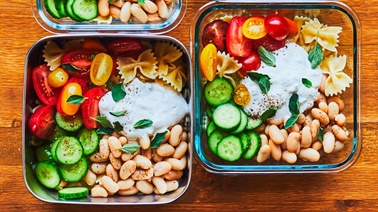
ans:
(250, 63)
(253, 28)
(42, 122)
(89, 108)
(47, 94)
(68, 90)
(277, 26)
(293, 28)
(241, 95)
(81, 81)
(215, 32)
(268, 43)
(237, 44)
(129, 47)
(94, 45)
(57, 78)
(78, 62)
(101, 69)
(208, 61)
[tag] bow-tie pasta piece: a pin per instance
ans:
(337, 81)
(53, 54)
(226, 66)
(175, 78)
(166, 55)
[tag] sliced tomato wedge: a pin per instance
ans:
(101, 69)
(94, 45)
(47, 94)
(78, 62)
(89, 108)
(241, 95)
(250, 63)
(209, 61)
(83, 82)
(68, 90)
(253, 28)
(129, 47)
(237, 44)
(42, 121)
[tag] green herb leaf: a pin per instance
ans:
(306, 82)
(109, 84)
(268, 113)
(76, 99)
(130, 148)
(117, 126)
(141, 2)
(104, 122)
(315, 56)
(291, 121)
(262, 80)
(118, 92)
(144, 123)
(320, 134)
(104, 131)
(118, 113)
(156, 141)
(294, 104)
(266, 56)
(69, 67)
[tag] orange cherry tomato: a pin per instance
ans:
(94, 45)
(241, 95)
(101, 69)
(208, 61)
(71, 88)
(253, 28)
(293, 28)
(57, 78)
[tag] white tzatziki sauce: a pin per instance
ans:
(160, 104)
(292, 65)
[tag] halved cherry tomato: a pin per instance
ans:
(250, 63)
(277, 26)
(268, 43)
(47, 94)
(81, 81)
(208, 61)
(94, 45)
(68, 90)
(42, 121)
(215, 32)
(101, 69)
(293, 28)
(89, 108)
(78, 62)
(241, 95)
(129, 47)
(253, 28)
(237, 44)
(57, 78)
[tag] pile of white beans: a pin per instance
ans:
(125, 10)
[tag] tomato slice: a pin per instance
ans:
(215, 32)
(237, 44)
(250, 63)
(89, 108)
(129, 47)
(208, 61)
(68, 90)
(78, 62)
(253, 28)
(293, 28)
(268, 43)
(94, 45)
(101, 69)
(241, 95)
(81, 81)
(47, 94)
(42, 122)
(277, 26)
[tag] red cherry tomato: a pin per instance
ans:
(237, 44)
(47, 94)
(94, 45)
(293, 28)
(277, 26)
(42, 122)
(215, 32)
(81, 81)
(250, 63)
(268, 43)
(129, 47)
(68, 90)
(89, 108)
(78, 62)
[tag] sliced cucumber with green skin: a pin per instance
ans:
(68, 150)
(75, 172)
(253, 123)
(50, 6)
(243, 122)
(70, 12)
(47, 174)
(69, 123)
(85, 9)
(43, 152)
(89, 140)
(218, 91)
(254, 147)
(210, 128)
(60, 7)
(53, 149)
(245, 140)
(209, 111)
(214, 138)
(227, 117)
(73, 192)
(230, 148)
(58, 132)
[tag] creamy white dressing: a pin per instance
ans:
(160, 104)
(292, 65)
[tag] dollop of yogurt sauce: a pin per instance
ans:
(160, 104)
(292, 65)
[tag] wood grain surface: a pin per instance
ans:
(355, 189)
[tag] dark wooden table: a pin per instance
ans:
(355, 189)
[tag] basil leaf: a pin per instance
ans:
(315, 56)
(69, 67)
(118, 92)
(156, 141)
(256, 76)
(144, 123)
(141, 2)
(291, 121)
(264, 84)
(320, 134)
(306, 82)
(76, 99)
(104, 131)
(118, 113)
(130, 148)
(268, 114)
(104, 122)
(117, 126)
(266, 56)
(294, 104)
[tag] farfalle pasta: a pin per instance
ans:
(175, 78)
(226, 66)
(337, 81)
(53, 53)
(166, 55)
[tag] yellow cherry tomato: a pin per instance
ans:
(208, 61)
(241, 95)
(57, 78)
(71, 88)
(101, 69)
(253, 28)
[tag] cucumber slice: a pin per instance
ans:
(73, 192)
(227, 117)
(89, 140)
(253, 123)
(214, 138)
(85, 9)
(246, 141)
(243, 122)
(58, 132)
(50, 6)
(230, 148)
(53, 149)
(210, 128)
(43, 153)
(60, 7)
(254, 147)
(69, 123)
(47, 174)
(68, 150)
(75, 172)
(218, 91)
(70, 12)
